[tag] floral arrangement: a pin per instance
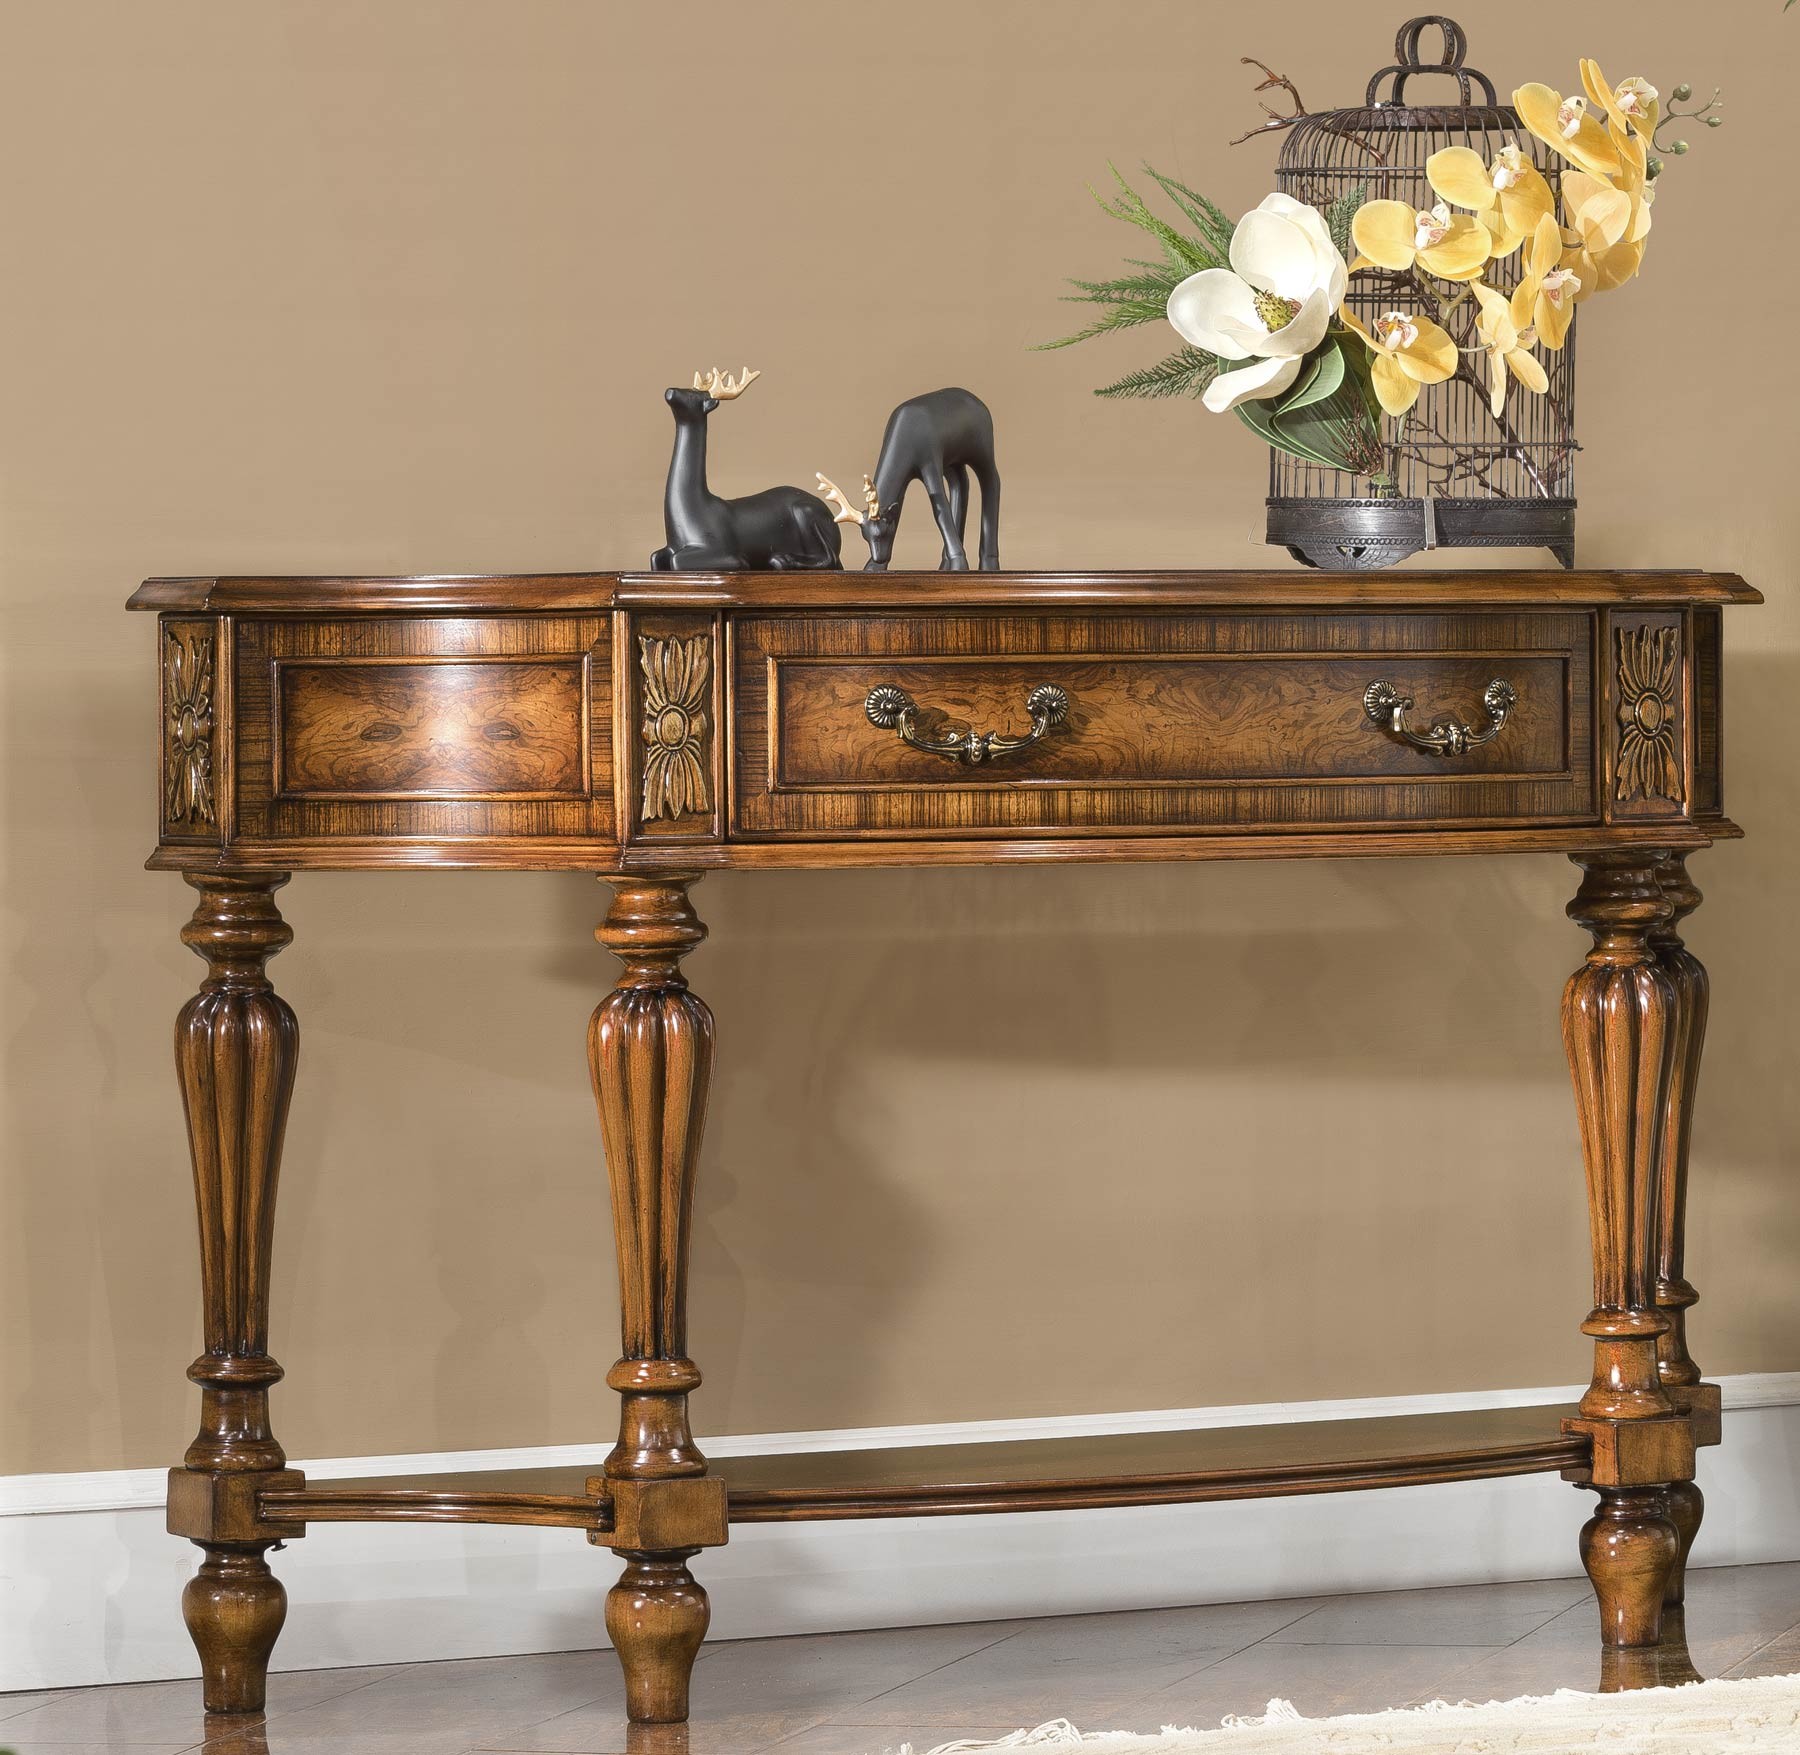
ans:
(1260, 305)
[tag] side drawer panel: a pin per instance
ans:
(1175, 722)
(424, 727)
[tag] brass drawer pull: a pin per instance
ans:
(892, 709)
(1447, 737)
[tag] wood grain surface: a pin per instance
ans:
(447, 727)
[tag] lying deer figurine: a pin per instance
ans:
(778, 528)
(938, 440)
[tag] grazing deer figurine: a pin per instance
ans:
(938, 440)
(778, 528)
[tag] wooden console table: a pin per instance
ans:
(651, 728)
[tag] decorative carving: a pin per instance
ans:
(187, 725)
(1649, 681)
(676, 671)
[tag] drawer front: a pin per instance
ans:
(1174, 722)
(424, 727)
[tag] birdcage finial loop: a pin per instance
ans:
(1407, 61)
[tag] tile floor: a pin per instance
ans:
(866, 1693)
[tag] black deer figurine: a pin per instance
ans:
(782, 527)
(939, 440)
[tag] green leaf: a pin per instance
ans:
(1322, 375)
(1261, 419)
(1186, 372)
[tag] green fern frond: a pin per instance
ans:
(1126, 314)
(1156, 282)
(1210, 220)
(1131, 207)
(1184, 373)
(1338, 217)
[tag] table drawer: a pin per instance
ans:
(1172, 722)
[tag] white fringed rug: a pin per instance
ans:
(1752, 1717)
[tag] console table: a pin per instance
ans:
(654, 727)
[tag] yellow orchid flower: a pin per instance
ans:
(1547, 293)
(1508, 196)
(1566, 126)
(1507, 346)
(1633, 105)
(1395, 234)
(1410, 351)
(1609, 217)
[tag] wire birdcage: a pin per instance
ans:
(1461, 477)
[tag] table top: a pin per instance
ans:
(1290, 588)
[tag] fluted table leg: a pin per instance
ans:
(236, 1043)
(1620, 1032)
(650, 1049)
(1675, 1295)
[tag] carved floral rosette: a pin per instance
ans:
(188, 726)
(676, 672)
(1649, 764)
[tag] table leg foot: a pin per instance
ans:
(1686, 1505)
(1630, 1546)
(234, 1607)
(657, 1616)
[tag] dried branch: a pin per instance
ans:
(1278, 119)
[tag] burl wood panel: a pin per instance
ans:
(1206, 720)
(445, 727)
(428, 728)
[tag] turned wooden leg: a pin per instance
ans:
(656, 1616)
(1618, 1018)
(1629, 1547)
(650, 1048)
(1688, 980)
(234, 1607)
(1685, 1506)
(236, 1043)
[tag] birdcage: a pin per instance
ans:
(1456, 475)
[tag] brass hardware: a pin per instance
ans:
(892, 709)
(1447, 737)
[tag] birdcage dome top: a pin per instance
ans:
(1391, 105)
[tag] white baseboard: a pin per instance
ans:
(90, 1581)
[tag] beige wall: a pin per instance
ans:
(324, 287)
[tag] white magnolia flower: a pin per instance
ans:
(1271, 305)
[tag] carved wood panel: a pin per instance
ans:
(1648, 718)
(191, 715)
(674, 789)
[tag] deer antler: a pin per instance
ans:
(720, 387)
(871, 499)
(834, 496)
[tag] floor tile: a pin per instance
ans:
(11, 1705)
(167, 1712)
(1079, 1667)
(450, 1706)
(1780, 1657)
(771, 1689)
(17, 1748)
(1318, 1679)
(1481, 1614)
(1730, 1613)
